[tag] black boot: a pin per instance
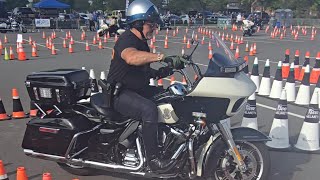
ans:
(150, 140)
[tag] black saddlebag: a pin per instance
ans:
(53, 135)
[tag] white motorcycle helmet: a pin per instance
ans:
(140, 11)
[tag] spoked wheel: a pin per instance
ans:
(255, 156)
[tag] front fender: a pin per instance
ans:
(239, 134)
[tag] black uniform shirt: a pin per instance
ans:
(131, 77)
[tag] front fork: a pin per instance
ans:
(227, 136)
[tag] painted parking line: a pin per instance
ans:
(41, 45)
(79, 42)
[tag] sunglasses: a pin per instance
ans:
(152, 25)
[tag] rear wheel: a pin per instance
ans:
(77, 170)
(221, 164)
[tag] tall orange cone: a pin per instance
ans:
(286, 65)
(296, 65)
(315, 70)
(87, 46)
(3, 174)
(21, 174)
(17, 106)
(305, 63)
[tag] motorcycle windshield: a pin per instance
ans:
(223, 62)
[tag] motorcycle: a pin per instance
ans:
(193, 134)
(249, 28)
(112, 30)
(12, 24)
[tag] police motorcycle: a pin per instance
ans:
(12, 24)
(249, 27)
(193, 135)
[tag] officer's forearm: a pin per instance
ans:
(137, 58)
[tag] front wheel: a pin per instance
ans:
(221, 165)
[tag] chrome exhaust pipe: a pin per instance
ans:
(92, 164)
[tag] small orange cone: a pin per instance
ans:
(43, 35)
(3, 174)
(94, 40)
(166, 44)
(182, 51)
(209, 46)
(53, 50)
(251, 51)
(11, 54)
(67, 36)
(184, 39)
(296, 65)
(21, 54)
(1, 46)
(64, 43)
(71, 40)
(231, 46)
(34, 52)
(46, 176)
(87, 46)
(17, 106)
(241, 40)
(210, 54)
(237, 54)
(30, 40)
(100, 45)
(108, 35)
(21, 174)
(188, 44)
(254, 48)
(70, 48)
(247, 47)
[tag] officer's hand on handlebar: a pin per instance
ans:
(175, 62)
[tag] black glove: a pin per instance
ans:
(164, 72)
(175, 62)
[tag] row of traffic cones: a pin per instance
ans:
(21, 174)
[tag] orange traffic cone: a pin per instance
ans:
(70, 48)
(100, 45)
(210, 54)
(182, 51)
(94, 40)
(184, 39)
(305, 63)
(166, 44)
(87, 46)
(17, 106)
(251, 51)
(286, 65)
(296, 65)
(11, 54)
(5, 39)
(3, 174)
(172, 80)
(202, 42)
(3, 116)
(64, 43)
(247, 47)
(21, 54)
(43, 35)
(231, 46)
(53, 50)
(237, 54)
(209, 46)
(30, 40)
(105, 40)
(33, 110)
(188, 44)
(1, 46)
(34, 52)
(46, 176)
(21, 174)
(254, 48)
(71, 40)
(315, 70)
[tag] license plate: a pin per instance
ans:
(45, 93)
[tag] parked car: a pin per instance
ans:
(214, 18)
(185, 19)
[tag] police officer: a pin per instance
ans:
(130, 65)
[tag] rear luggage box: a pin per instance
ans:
(53, 135)
(61, 87)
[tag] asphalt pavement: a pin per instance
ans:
(285, 165)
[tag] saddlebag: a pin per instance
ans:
(61, 87)
(53, 135)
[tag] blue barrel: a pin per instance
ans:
(278, 24)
